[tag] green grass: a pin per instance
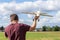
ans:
(37, 36)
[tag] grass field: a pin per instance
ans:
(37, 36)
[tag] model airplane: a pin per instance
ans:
(38, 13)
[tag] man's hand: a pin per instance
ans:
(36, 18)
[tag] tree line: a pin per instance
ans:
(53, 28)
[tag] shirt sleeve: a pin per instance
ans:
(26, 27)
(5, 33)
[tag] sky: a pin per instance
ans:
(52, 7)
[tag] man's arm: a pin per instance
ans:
(34, 24)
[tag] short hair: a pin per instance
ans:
(13, 17)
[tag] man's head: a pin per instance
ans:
(14, 17)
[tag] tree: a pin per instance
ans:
(49, 28)
(44, 28)
(1, 28)
(56, 28)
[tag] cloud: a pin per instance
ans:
(29, 6)
(58, 14)
(21, 21)
(30, 16)
(56, 18)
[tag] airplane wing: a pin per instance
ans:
(29, 13)
(45, 14)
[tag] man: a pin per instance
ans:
(17, 31)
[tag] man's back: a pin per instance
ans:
(16, 31)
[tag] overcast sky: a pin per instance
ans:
(51, 7)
